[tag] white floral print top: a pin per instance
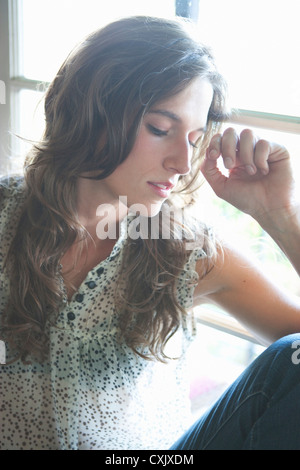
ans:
(93, 392)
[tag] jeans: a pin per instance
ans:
(259, 411)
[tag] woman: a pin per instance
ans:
(91, 312)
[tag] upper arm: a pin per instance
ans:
(238, 286)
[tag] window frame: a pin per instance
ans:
(14, 80)
(5, 78)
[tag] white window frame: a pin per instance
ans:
(11, 73)
(4, 77)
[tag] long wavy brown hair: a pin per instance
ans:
(93, 109)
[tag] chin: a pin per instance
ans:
(145, 210)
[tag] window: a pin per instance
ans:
(256, 48)
(256, 45)
(39, 37)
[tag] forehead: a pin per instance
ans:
(193, 102)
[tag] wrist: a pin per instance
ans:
(281, 222)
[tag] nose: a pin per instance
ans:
(180, 158)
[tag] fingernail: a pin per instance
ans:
(228, 163)
(250, 169)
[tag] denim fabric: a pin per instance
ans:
(259, 411)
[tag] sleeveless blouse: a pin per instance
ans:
(92, 392)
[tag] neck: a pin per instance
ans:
(98, 211)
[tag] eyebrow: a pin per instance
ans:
(173, 116)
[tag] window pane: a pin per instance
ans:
(257, 46)
(32, 115)
(215, 360)
(28, 127)
(52, 27)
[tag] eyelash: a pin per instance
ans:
(193, 145)
(156, 131)
(160, 133)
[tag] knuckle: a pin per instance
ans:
(215, 143)
(262, 145)
(248, 134)
(216, 139)
(230, 135)
(230, 130)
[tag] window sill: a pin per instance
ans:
(222, 322)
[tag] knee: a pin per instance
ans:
(288, 346)
(282, 358)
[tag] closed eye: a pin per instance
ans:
(156, 131)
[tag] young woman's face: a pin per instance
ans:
(163, 149)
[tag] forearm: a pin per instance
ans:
(284, 227)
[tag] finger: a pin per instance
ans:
(229, 147)
(276, 152)
(267, 153)
(214, 148)
(247, 151)
(212, 174)
(261, 156)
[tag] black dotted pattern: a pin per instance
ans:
(93, 392)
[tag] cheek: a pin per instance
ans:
(139, 159)
(142, 156)
(145, 144)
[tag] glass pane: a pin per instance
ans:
(257, 46)
(28, 126)
(32, 116)
(215, 360)
(52, 27)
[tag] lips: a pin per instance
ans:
(167, 186)
(162, 189)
